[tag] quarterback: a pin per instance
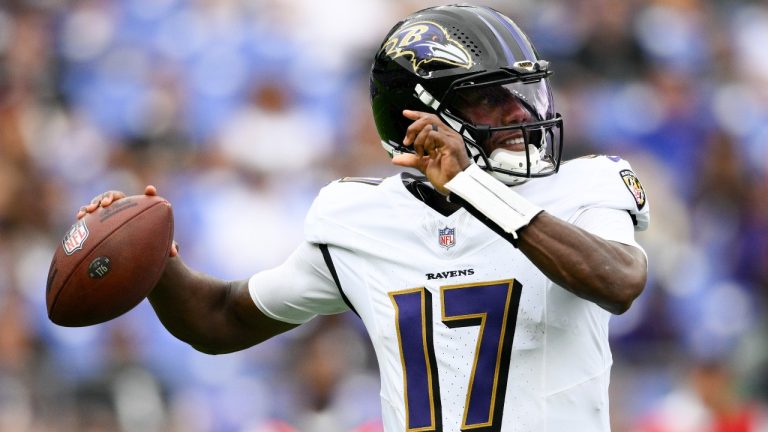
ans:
(485, 284)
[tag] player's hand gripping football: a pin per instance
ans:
(440, 151)
(107, 198)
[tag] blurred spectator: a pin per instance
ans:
(273, 134)
(239, 110)
(707, 400)
(329, 376)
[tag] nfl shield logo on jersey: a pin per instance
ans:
(446, 237)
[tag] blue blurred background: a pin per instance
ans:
(240, 110)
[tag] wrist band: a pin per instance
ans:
(505, 207)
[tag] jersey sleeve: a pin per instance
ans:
(318, 220)
(613, 184)
(608, 224)
(340, 210)
(299, 289)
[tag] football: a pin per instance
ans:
(109, 261)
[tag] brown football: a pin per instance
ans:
(109, 261)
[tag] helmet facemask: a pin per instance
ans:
(522, 140)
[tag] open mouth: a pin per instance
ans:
(514, 142)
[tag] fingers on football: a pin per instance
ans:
(107, 198)
(100, 200)
(110, 197)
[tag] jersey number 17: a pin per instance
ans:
(493, 307)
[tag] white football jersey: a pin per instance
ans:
(468, 333)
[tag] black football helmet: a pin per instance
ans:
(439, 58)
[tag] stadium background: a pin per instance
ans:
(240, 110)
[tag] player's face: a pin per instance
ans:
(495, 106)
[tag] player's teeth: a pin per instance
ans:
(513, 141)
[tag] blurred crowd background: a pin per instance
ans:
(240, 110)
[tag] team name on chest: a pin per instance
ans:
(450, 274)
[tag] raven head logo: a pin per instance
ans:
(426, 42)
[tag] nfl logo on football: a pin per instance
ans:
(446, 237)
(75, 237)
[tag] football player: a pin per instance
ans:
(487, 284)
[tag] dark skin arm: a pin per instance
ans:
(610, 274)
(212, 315)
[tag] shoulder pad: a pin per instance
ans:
(342, 200)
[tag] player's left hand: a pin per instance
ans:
(440, 151)
(107, 198)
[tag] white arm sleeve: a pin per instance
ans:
(299, 289)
